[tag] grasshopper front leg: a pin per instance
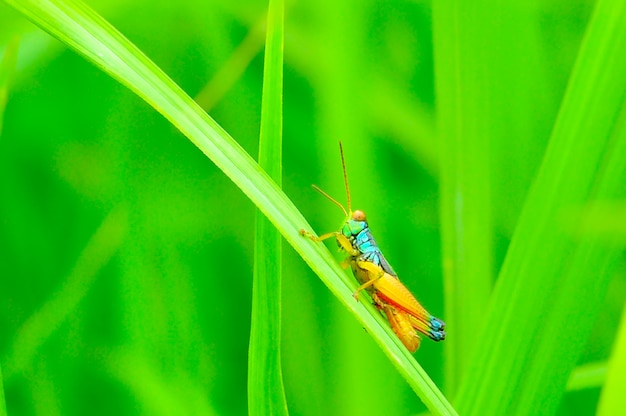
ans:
(342, 240)
(319, 239)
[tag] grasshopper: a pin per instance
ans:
(370, 267)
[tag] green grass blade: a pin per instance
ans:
(409, 121)
(139, 374)
(603, 219)
(90, 35)
(102, 245)
(3, 407)
(612, 400)
(465, 101)
(587, 376)
(7, 67)
(232, 70)
(552, 283)
(266, 395)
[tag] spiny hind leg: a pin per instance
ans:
(374, 273)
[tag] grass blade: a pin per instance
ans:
(266, 395)
(587, 376)
(231, 71)
(3, 407)
(537, 313)
(7, 67)
(465, 109)
(99, 250)
(139, 374)
(612, 400)
(89, 34)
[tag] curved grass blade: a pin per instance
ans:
(553, 283)
(89, 34)
(266, 395)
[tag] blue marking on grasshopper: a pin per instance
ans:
(437, 335)
(361, 238)
(438, 326)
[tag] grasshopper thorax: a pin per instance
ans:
(356, 223)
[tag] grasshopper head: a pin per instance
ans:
(354, 224)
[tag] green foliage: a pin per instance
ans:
(7, 67)
(612, 400)
(129, 258)
(266, 395)
(547, 272)
(3, 408)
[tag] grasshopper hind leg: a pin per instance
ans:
(372, 273)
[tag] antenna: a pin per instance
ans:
(345, 178)
(331, 199)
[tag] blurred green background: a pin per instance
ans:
(126, 255)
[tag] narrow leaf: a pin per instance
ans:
(266, 394)
(612, 400)
(465, 101)
(3, 407)
(7, 67)
(587, 376)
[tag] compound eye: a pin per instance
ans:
(358, 215)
